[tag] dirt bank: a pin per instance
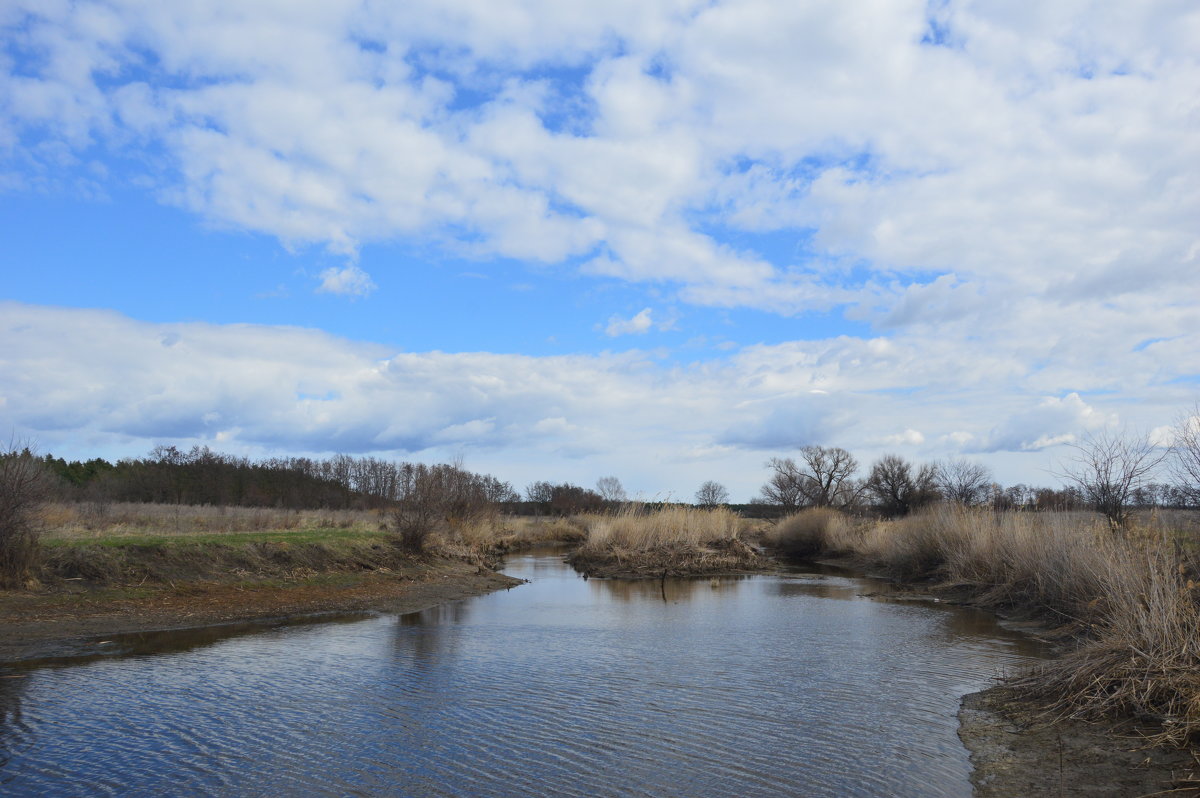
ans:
(1016, 752)
(72, 619)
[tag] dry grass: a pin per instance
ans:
(109, 524)
(485, 540)
(95, 520)
(1131, 600)
(814, 532)
(234, 559)
(674, 541)
(1142, 655)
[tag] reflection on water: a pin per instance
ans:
(746, 686)
(663, 589)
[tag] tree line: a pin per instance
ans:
(1108, 472)
(202, 476)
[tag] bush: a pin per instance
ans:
(438, 496)
(24, 488)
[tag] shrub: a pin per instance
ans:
(24, 487)
(433, 497)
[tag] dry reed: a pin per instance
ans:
(672, 541)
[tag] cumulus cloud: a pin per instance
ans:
(74, 376)
(1007, 200)
(1053, 421)
(640, 323)
(1026, 155)
(909, 437)
(349, 280)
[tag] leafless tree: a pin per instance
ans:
(438, 495)
(611, 489)
(24, 487)
(540, 492)
(897, 488)
(828, 476)
(963, 481)
(823, 478)
(783, 486)
(1108, 468)
(1185, 455)
(712, 494)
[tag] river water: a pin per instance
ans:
(797, 684)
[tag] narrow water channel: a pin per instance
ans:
(766, 685)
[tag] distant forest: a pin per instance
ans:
(202, 476)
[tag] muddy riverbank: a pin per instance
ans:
(72, 620)
(1017, 751)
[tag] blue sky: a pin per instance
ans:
(661, 240)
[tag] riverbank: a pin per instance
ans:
(1016, 750)
(1117, 711)
(145, 570)
(72, 621)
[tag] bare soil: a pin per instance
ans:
(1018, 752)
(72, 620)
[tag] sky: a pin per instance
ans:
(662, 240)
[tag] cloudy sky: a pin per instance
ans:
(659, 239)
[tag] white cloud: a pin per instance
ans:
(640, 323)
(1014, 214)
(1052, 422)
(98, 379)
(349, 280)
(909, 437)
(1043, 154)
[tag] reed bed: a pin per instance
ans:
(672, 541)
(484, 540)
(1130, 599)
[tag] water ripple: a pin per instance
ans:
(760, 686)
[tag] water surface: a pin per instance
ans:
(765, 685)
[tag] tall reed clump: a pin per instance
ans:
(1047, 563)
(1141, 657)
(813, 532)
(672, 541)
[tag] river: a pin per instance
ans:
(794, 684)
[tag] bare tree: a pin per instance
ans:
(1109, 467)
(540, 492)
(1185, 455)
(823, 478)
(436, 496)
(24, 487)
(783, 486)
(828, 476)
(610, 489)
(964, 482)
(897, 489)
(712, 494)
